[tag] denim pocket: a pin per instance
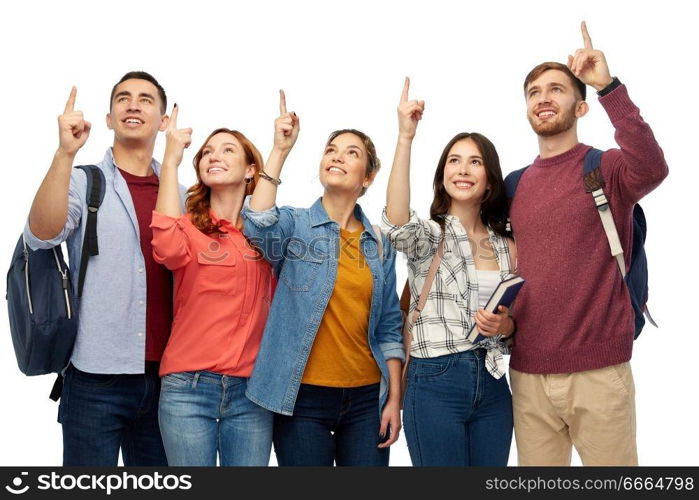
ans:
(430, 368)
(176, 380)
(85, 379)
(301, 265)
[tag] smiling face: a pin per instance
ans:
(553, 105)
(136, 112)
(465, 177)
(344, 164)
(224, 162)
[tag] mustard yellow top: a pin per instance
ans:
(340, 356)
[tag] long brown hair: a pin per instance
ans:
(494, 203)
(199, 195)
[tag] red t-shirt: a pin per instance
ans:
(144, 193)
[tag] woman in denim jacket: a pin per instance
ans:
(329, 364)
(458, 407)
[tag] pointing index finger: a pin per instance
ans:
(282, 102)
(406, 88)
(586, 36)
(70, 105)
(172, 122)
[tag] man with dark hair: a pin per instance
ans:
(109, 399)
(570, 372)
(140, 75)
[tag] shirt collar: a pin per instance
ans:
(109, 160)
(224, 224)
(319, 216)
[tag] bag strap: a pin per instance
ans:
(422, 300)
(94, 197)
(434, 265)
(57, 388)
(511, 182)
(594, 184)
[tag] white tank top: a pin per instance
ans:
(487, 282)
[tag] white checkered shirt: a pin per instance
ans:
(452, 301)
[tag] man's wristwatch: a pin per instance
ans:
(606, 90)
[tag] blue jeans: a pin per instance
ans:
(331, 425)
(202, 413)
(455, 413)
(101, 414)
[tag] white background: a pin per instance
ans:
(342, 65)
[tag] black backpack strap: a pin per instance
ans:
(94, 196)
(511, 182)
(57, 388)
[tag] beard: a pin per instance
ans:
(562, 122)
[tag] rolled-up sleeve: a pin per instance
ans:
(76, 200)
(390, 325)
(416, 238)
(269, 230)
(170, 242)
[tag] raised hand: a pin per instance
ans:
(409, 113)
(73, 129)
(176, 140)
(286, 127)
(590, 65)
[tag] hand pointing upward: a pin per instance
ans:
(286, 127)
(73, 129)
(409, 113)
(590, 65)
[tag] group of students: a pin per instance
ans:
(226, 324)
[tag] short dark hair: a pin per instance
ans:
(494, 203)
(373, 162)
(141, 75)
(546, 66)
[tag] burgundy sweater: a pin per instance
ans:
(574, 312)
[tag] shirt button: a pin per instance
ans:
(140, 334)
(140, 269)
(140, 302)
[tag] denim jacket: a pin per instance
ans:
(302, 245)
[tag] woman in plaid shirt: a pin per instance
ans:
(458, 406)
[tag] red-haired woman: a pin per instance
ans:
(222, 296)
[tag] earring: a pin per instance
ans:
(248, 180)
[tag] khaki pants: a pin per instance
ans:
(592, 410)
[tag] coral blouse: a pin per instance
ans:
(222, 291)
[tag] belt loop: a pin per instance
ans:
(196, 379)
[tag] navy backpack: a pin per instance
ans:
(637, 277)
(42, 308)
